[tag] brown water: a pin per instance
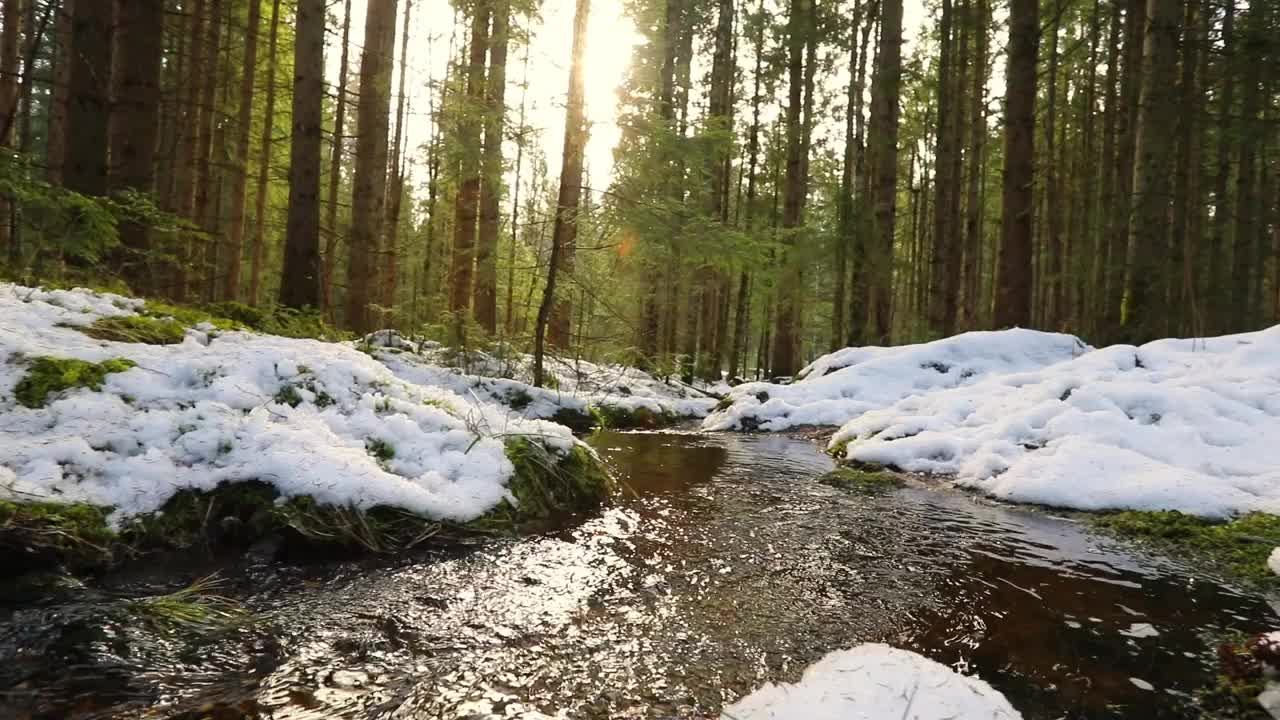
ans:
(724, 566)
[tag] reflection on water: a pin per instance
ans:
(725, 566)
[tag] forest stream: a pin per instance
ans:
(724, 565)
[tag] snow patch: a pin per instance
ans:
(849, 382)
(875, 682)
(1190, 425)
(300, 414)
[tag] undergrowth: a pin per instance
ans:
(1238, 547)
(49, 375)
(136, 329)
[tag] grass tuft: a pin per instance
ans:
(137, 329)
(48, 375)
(195, 608)
(38, 531)
(547, 485)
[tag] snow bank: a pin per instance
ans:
(847, 383)
(312, 418)
(875, 682)
(1189, 425)
(574, 385)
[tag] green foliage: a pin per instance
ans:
(136, 329)
(1239, 547)
(862, 482)
(76, 533)
(288, 395)
(621, 418)
(282, 321)
(48, 375)
(195, 608)
(380, 449)
(547, 485)
(189, 316)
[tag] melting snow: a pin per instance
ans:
(875, 682)
(210, 409)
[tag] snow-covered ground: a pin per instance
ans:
(852, 381)
(1189, 425)
(875, 682)
(312, 418)
(574, 385)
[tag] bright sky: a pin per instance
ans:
(610, 41)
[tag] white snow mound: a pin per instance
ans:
(300, 414)
(875, 682)
(577, 385)
(847, 383)
(1190, 425)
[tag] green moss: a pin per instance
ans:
(1239, 547)
(48, 375)
(547, 485)
(579, 421)
(288, 395)
(725, 403)
(518, 399)
(189, 316)
(611, 416)
(137, 329)
(839, 450)
(862, 482)
(37, 535)
(380, 449)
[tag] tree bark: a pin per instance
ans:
(389, 267)
(300, 273)
(89, 102)
(332, 234)
(884, 146)
(1156, 133)
(468, 195)
(135, 123)
(369, 183)
(240, 168)
(264, 162)
(566, 222)
(484, 297)
(1013, 291)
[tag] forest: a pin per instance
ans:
(789, 177)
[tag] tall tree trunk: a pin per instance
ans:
(56, 150)
(1051, 287)
(860, 248)
(1181, 295)
(468, 195)
(89, 102)
(567, 205)
(10, 49)
(395, 188)
(942, 310)
(240, 167)
(331, 230)
(1101, 272)
(203, 213)
(785, 336)
(1119, 254)
(135, 122)
(1249, 136)
(1013, 291)
(185, 181)
(846, 235)
(508, 325)
(484, 299)
(264, 162)
(369, 184)
(300, 273)
(884, 146)
(1149, 226)
(972, 304)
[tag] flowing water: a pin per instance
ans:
(724, 566)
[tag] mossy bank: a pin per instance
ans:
(1237, 549)
(547, 487)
